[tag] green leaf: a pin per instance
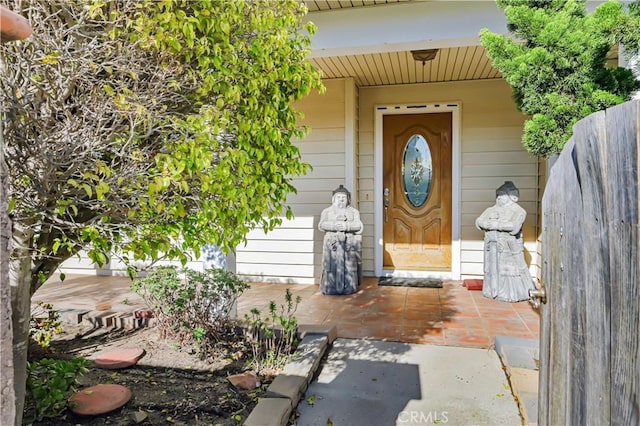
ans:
(88, 190)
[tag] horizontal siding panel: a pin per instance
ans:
(334, 93)
(501, 170)
(475, 269)
(365, 172)
(365, 185)
(366, 161)
(276, 246)
(505, 157)
(321, 134)
(298, 222)
(489, 195)
(276, 270)
(312, 197)
(365, 149)
(472, 256)
(322, 115)
(489, 134)
(317, 184)
(292, 258)
(325, 159)
(320, 172)
(288, 234)
(526, 182)
(472, 244)
(321, 147)
(494, 145)
(477, 207)
(278, 279)
(80, 262)
(367, 219)
(307, 209)
(470, 219)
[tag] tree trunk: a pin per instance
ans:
(20, 279)
(7, 395)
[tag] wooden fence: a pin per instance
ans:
(590, 357)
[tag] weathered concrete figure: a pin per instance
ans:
(341, 262)
(506, 276)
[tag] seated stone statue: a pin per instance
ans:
(506, 276)
(341, 261)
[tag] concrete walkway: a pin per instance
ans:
(388, 383)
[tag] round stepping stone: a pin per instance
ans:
(99, 399)
(121, 358)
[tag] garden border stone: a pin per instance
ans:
(291, 384)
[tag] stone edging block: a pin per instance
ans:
(270, 412)
(290, 385)
(305, 362)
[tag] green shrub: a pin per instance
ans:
(50, 383)
(44, 324)
(272, 339)
(191, 306)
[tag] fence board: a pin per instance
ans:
(558, 215)
(591, 157)
(589, 351)
(622, 162)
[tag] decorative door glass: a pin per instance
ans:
(417, 171)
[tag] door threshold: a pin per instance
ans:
(395, 273)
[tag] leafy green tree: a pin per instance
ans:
(148, 128)
(556, 63)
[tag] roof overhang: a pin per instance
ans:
(373, 43)
(394, 27)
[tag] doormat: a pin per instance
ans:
(410, 282)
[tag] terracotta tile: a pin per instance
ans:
(464, 323)
(419, 335)
(423, 314)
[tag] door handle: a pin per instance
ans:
(386, 203)
(538, 296)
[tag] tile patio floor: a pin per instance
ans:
(451, 316)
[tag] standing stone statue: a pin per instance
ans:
(341, 261)
(506, 276)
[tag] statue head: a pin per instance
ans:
(509, 190)
(341, 197)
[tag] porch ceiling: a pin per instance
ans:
(316, 5)
(390, 68)
(382, 68)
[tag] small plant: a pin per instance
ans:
(191, 306)
(50, 383)
(45, 323)
(273, 340)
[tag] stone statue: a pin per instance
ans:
(506, 276)
(341, 260)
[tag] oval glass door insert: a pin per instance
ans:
(416, 170)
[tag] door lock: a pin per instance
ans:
(386, 203)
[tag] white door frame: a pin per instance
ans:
(380, 112)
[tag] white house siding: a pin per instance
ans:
(491, 152)
(293, 252)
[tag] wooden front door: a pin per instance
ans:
(417, 192)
